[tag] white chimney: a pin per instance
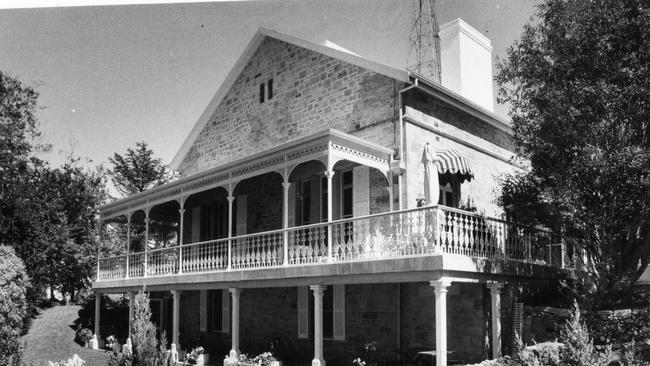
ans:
(466, 62)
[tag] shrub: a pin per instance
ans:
(143, 335)
(83, 336)
(13, 304)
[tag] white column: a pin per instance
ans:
(131, 304)
(390, 192)
(440, 289)
(146, 241)
(181, 223)
(318, 325)
(235, 293)
(285, 222)
(175, 316)
(98, 299)
(495, 295)
(128, 243)
(329, 174)
(231, 199)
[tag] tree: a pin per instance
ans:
(143, 334)
(138, 170)
(13, 303)
(578, 83)
(47, 215)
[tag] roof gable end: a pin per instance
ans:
(327, 49)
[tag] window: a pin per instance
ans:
(449, 190)
(333, 312)
(346, 194)
(446, 195)
(328, 313)
(215, 311)
(303, 202)
(207, 222)
(323, 199)
(266, 90)
(156, 312)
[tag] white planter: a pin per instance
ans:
(276, 363)
(203, 359)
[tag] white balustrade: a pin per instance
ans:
(205, 256)
(307, 244)
(136, 264)
(162, 262)
(258, 250)
(112, 268)
(416, 232)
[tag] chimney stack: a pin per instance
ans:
(466, 62)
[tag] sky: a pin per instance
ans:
(109, 76)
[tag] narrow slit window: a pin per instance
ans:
(270, 88)
(262, 93)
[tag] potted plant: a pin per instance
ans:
(263, 359)
(110, 342)
(198, 356)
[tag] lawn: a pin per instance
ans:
(51, 338)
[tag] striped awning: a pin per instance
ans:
(451, 161)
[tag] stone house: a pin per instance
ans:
(300, 223)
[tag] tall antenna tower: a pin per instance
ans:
(424, 53)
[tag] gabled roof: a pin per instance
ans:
(328, 49)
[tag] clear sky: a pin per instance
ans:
(109, 76)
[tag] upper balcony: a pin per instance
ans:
(426, 239)
(316, 209)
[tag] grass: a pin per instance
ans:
(51, 338)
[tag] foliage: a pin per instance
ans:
(540, 354)
(263, 359)
(46, 214)
(117, 358)
(143, 335)
(74, 361)
(578, 345)
(13, 302)
(578, 83)
(138, 170)
(83, 336)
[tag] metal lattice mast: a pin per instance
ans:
(424, 53)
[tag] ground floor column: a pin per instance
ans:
(495, 295)
(235, 293)
(98, 300)
(440, 289)
(319, 290)
(131, 304)
(175, 315)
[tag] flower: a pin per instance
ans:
(358, 362)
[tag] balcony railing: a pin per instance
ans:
(417, 232)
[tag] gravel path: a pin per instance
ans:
(51, 338)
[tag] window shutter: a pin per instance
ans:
(339, 312)
(360, 191)
(196, 224)
(203, 310)
(242, 214)
(303, 312)
(225, 311)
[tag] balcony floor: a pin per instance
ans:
(405, 269)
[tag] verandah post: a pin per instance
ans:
(128, 243)
(329, 174)
(231, 199)
(181, 223)
(285, 223)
